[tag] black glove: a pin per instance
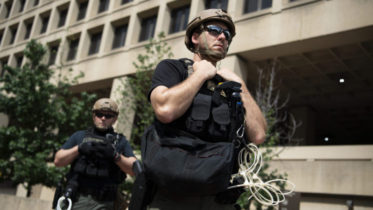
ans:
(86, 148)
(107, 151)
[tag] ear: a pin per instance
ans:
(195, 37)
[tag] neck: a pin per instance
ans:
(198, 57)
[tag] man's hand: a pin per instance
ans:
(229, 75)
(86, 148)
(107, 150)
(204, 68)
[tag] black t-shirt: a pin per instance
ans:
(169, 73)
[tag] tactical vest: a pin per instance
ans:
(92, 167)
(216, 113)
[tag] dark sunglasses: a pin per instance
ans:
(107, 116)
(217, 30)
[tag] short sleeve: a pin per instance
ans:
(74, 140)
(168, 73)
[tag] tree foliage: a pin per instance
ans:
(281, 128)
(155, 51)
(42, 114)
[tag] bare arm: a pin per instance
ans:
(256, 124)
(125, 164)
(65, 156)
(171, 103)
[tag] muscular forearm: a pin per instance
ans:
(125, 164)
(170, 103)
(256, 124)
(65, 156)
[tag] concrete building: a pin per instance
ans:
(324, 49)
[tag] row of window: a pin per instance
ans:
(179, 18)
(14, 7)
(118, 33)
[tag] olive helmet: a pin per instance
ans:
(205, 16)
(105, 104)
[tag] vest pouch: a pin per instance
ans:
(219, 126)
(199, 114)
(91, 169)
(80, 165)
(103, 170)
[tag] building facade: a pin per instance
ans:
(323, 50)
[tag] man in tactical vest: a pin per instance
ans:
(178, 99)
(99, 158)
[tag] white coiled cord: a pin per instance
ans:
(62, 199)
(250, 163)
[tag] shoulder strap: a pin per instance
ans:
(188, 65)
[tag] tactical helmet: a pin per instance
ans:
(105, 104)
(205, 16)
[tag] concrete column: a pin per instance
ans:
(236, 64)
(195, 7)
(125, 103)
(161, 25)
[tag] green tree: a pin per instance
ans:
(139, 83)
(42, 115)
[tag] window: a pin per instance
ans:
(8, 7)
(219, 4)
(63, 15)
(125, 1)
(1, 36)
(73, 48)
(19, 59)
(103, 6)
(179, 19)
(255, 5)
(22, 5)
(28, 29)
(95, 43)
(13, 33)
(120, 33)
(3, 62)
(36, 2)
(44, 24)
(82, 10)
(147, 28)
(53, 50)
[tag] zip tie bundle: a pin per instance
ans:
(250, 163)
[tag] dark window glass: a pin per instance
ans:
(13, 32)
(44, 24)
(36, 2)
(1, 37)
(3, 62)
(255, 5)
(8, 7)
(147, 28)
(53, 50)
(95, 43)
(125, 1)
(179, 19)
(103, 6)
(28, 30)
(219, 4)
(62, 20)
(73, 48)
(19, 60)
(22, 5)
(82, 10)
(120, 33)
